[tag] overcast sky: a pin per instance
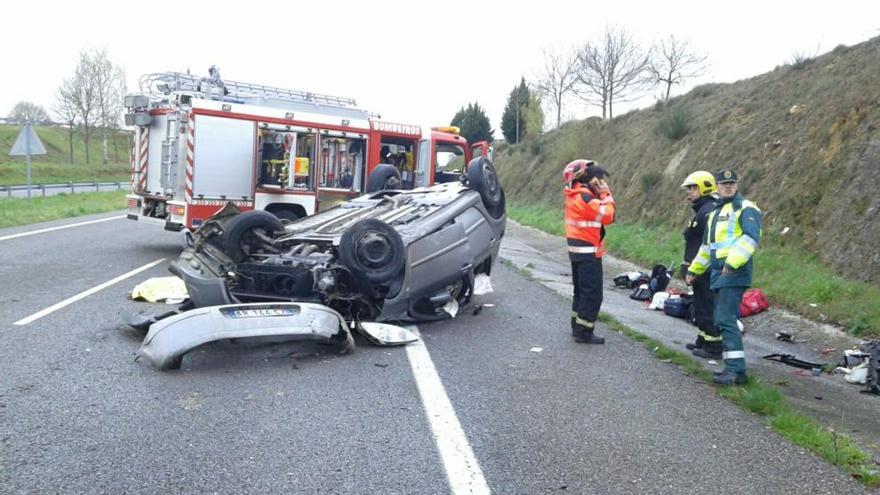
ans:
(412, 62)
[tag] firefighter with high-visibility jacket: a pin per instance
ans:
(589, 206)
(732, 236)
(701, 190)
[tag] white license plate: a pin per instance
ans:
(260, 312)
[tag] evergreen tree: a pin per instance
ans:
(532, 116)
(474, 124)
(519, 97)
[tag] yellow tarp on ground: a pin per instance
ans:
(159, 289)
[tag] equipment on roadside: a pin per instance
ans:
(631, 280)
(660, 277)
(872, 380)
(641, 293)
(677, 306)
(753, 301)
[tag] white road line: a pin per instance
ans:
(50, 229)
(462, 469)
(81, 295)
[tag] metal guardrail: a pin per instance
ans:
(72, 186)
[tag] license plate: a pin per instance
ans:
(260, 312)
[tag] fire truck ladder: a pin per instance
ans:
(167, 82)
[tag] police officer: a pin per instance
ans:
(589, 206)
(734, 229)
(700, 188)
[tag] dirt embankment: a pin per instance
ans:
(804, 139)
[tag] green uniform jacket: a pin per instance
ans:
(731, 244)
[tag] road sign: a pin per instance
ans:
(26, 144)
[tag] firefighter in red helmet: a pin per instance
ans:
(589, 207)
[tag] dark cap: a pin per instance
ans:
(726, 175)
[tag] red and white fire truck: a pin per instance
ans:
(199, 143)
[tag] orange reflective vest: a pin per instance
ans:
(584, 217)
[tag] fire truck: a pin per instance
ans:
(199, 143)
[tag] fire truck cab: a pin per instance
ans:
(199, 143)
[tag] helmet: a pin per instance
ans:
(576, 169)
(703, 180)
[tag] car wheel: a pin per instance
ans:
(383, 177)
(372, 250)
(241, 237)
(483, 179)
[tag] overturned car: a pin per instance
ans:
(386, 256)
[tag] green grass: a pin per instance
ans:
(22, 211)
(674, 125)
(768, 402)
(790, 276)
(55, 165)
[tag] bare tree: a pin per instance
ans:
(110, 81)
(25, 111)
(612, 70)
(67, 112)
(85, 91)
(674, 62)
(559, 78)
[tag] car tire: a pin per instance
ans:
(372, 250)
(383, 177)
(483, 179)
(240, 231)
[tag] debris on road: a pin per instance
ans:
(536, 349)
(171, 290)
(385, 334)
(792, 360)
(482, 285)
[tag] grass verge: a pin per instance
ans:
(757, 398)
(789, 276)
(21, 211)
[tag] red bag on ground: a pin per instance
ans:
(753, 301)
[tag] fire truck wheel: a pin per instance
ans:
(483, 179)
(372, 250)
(383, 177)
(242, 235)
(286, 215)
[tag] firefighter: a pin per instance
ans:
(700, 187)
(589, 206)
(733, 233)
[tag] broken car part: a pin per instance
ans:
(169, 339)
(384, 334)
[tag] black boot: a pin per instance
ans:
(708, 352)
(574, 326)
(697, 344)
(728, 378)
(585, 335)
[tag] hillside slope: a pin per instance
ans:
(803, 138)
(55, 164)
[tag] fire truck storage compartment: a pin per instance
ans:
(224, 158)
(154, 155)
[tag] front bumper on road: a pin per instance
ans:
(169, 339)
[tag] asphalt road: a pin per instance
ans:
(79, 414)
